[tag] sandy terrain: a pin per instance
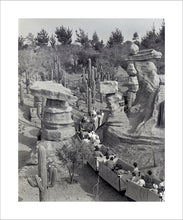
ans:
(82, 190)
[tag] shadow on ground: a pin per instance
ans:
(28, 141)
(88, 179)
(23, 157)
(26, 110)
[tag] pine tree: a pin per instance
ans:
(64, 35)
(116, 38)
(42, 38)
(82, 38)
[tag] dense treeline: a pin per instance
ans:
(36, 54)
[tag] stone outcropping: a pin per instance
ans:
(116, 116)
(57, 123)
(143, 141)
(143, 55)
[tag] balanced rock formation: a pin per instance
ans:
(116, 116)
(57, 116)
(133, 84)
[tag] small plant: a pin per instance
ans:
(73, 156)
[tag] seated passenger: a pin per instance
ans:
(86, 140)
(141, 181)
(149, 180)
(161, 186)
(108, 153)
(136, 177)
(162, 196)
(136, 169)
(118, 169)
(110, 163)
(100, 116)
(162, 183)
(155, 188)
(97, 152)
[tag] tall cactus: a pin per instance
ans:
(87, 94)
(42, 172)
(89, 101)
(84, 81)
(94, 92)
(93, 86)
(46, 177)
(89, 72)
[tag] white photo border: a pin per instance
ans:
(11, 11)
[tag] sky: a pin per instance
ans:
(103, 27)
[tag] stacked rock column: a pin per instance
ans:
(110, 89)
(56, 117)
(57, 120)
(133, 84)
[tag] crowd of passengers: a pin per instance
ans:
(110, 160)
(90, 123)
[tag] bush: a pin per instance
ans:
(73, 156)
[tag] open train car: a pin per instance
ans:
(117, 182)
(139, 193)
(95, 163)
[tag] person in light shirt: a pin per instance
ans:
(141, 181)
(136, 169)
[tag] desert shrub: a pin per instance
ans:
(86, 53)
(73, 156)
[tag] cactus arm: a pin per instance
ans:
(54, 177)
(39, 183)
(32, 182)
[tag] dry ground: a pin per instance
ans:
(82, 190)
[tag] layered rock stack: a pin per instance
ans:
(57, 116)
(133, 84)
(116, 117)
(145, 92)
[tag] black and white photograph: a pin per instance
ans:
(91, 109)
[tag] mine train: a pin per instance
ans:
(122, 183)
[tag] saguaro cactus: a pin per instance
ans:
(101, 98)
(42, 172)
(89, 101)
(93, 86)
(41, 180)
(87, 94)
(89, 72)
